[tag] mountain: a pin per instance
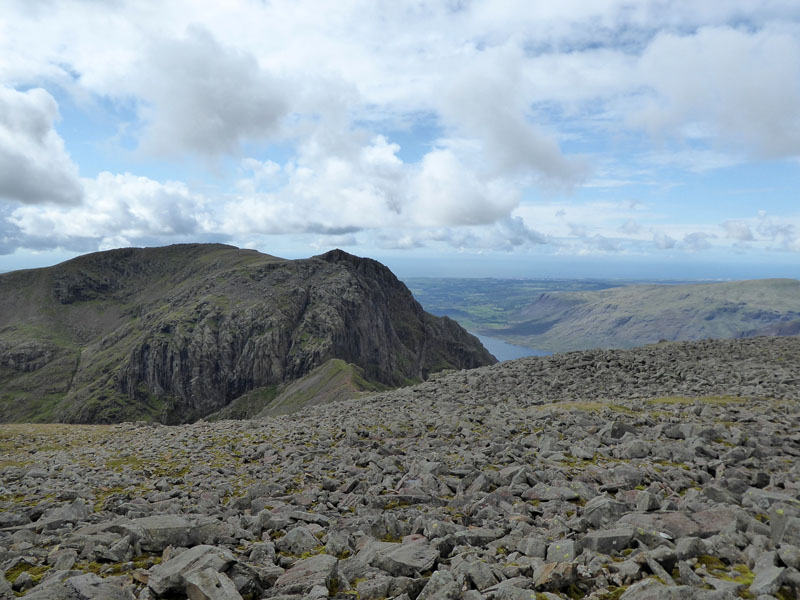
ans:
(634, 315)
(177, 333)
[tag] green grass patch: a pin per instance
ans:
(712, 400)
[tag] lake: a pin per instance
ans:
(505, 351)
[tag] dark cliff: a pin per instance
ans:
(177, 333)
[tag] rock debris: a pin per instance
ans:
(669, 471)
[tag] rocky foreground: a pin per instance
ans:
(669, 471)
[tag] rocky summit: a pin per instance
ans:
(668, 471)
(176, 333)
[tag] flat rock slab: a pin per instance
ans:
(170, 576)
(208, 584)
(407, 560)
(766, 498)
(651, 589)
(305, 574)
(545, 493)
(609, 541)
(156, 532)
(84, 587)
(678, 524)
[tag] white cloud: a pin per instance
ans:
(34, 166)
(201, 97)
(662, 241)
(737, 87)
(444, 191)
(117, 209)
(499, 101)
(486, 101)
(738, 230)
(697, 240)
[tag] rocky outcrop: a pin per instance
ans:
(174, 334)
(473, 485)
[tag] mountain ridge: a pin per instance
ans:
(636, 315)
(178, 332)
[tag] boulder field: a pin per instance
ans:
(668, 471)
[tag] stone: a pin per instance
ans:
(673, 524)
(789, 555)
(408, 559)
(545, 493)
(608, 541)
(763, 499)
(603, 510)
(645, 502)
(297, 541)
(74, 512)
(209, 584)
(477, 573)
(563, 551)
(689, 547)
(634, 449)
(478, 537)
(533, 546)
(767, 581)
(784, 525)
(378, 587)
(555, 576)
(650, 589)
(156, 532)
(338, 544)
(441, 586)
(6, 593)
(12, 519)
(87, 586)
(318, 570)
(506, 591)
(170, 576)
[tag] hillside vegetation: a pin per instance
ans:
(562, 315)
(176, 333)
(635, 315)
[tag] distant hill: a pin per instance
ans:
(634, 315)
(177, 333)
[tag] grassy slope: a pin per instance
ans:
(332, 381)
(75, 314)
(636, 315)
(558, 315)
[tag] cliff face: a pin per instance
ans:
(176, 333)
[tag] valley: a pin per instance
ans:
(564, 315)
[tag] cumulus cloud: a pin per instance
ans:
(662, 241)
(487, 102)
(734, 86)
(326, 192)
(506, 235)
(205, 98)
(499, 101)
(738, 230)
(445, 191)
(34, 166)
(784, 233)
(117, 210)
(368, 186)
(631, 227)
(697, 240)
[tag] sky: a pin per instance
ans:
(510, 138)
